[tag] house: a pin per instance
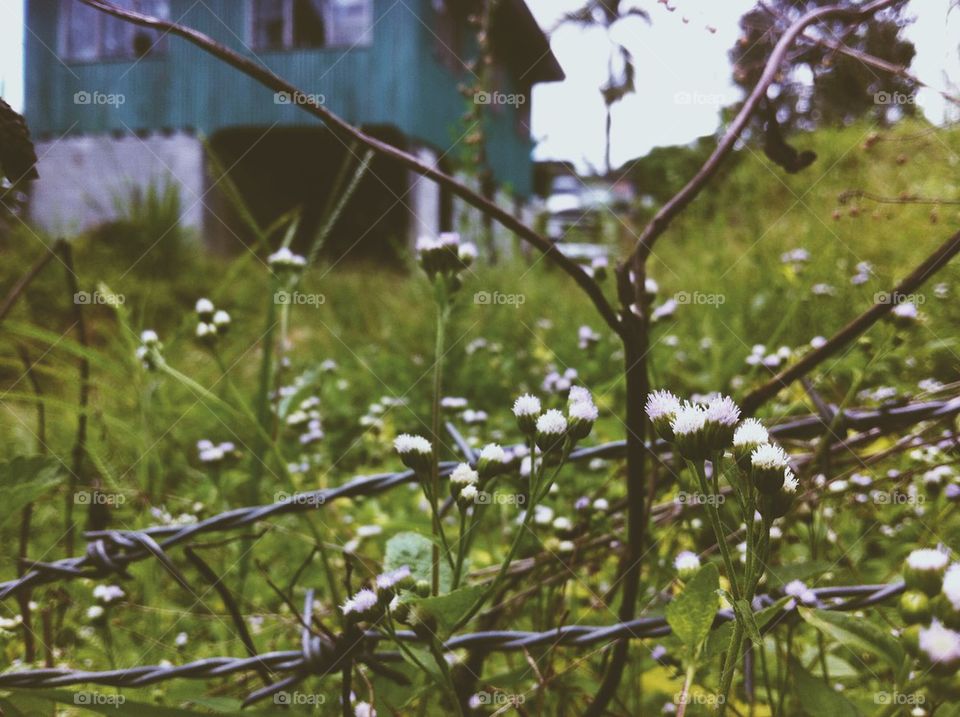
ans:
(116, 108)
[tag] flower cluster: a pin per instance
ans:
(150, 350)
(552, 428)
(444, 255)
(285, 261)
(930, 607)
(211, 322)
(369, 603)
(214, 453)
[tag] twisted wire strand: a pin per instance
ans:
(320, 656)
(109, 552)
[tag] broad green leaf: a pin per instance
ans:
(745, 614)
(857, 634)
(415, 551)
(691, 613)
(816, 697)
(450, 608)
(24, 479)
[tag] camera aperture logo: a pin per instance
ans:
(99, 99)
(497, 298)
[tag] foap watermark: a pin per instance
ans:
(485, 498)
(685, 498)
(707, 699)
(499, 98)
(312, 499)
(913, 699)
(894, 98)
(699, 298)
(885, 297)
(97, 497)
(880, 497)
(497, 298)
(97, 699)
(299, 98)
(97, 98)
(712, 99)
(499, 699)
(98, 297)
(307, 699)
(299, 298)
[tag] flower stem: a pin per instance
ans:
(442, 313)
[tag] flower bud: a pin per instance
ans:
(768, 464)
(551, 430)
(415, 452)
(915, 607)
(661, 408)
(491, 461)
(924, 570)
(204, 309)
(527, 411)
(687, 564)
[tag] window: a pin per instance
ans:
(288, 24)
(88, 34)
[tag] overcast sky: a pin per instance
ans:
(683, 74)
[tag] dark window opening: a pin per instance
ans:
(88, 34)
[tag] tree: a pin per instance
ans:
(819, 85)
(620, 68)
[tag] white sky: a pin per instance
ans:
(683, 75)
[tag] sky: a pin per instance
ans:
(683, 76)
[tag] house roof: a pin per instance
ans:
(528, 45)
(518, 38)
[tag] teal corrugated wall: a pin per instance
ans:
(395, 81)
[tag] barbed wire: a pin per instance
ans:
(320, 655)
(110, 552)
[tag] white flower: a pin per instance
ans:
(204, 307)
(389, 579)
(463, 474)
(723, 410)
(543, 515)
(552, 423)
(405, 443)
(364, 601)
(221, 318)
(666, 309)
(283, 257)
(797, 589)
(817, 342)
(928, 559)
(906, 310)
(453, 402)
(494, 453)
(149, 337)
(686, 561)
(790, 482)
(108, 593)
(181, 639)
(769, 457)
(562, 524)
(951, 585)
(94, 612)
(206, 331)
(584, 411)
(940, 644)
(662, 404)
(469, 493)
(688, 420)
(364, 709)
(750, 433)
(579, 394)
(467, 252)
(601, 505)
(526, 405)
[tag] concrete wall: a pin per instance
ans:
(82, 179)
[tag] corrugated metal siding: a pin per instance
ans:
(395, 81)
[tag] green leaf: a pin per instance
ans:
(416, 552)
(816, 697)
(857, 634)
(690, 614)
(720, 638)
(450, 608)
(24, 479)
(780, 576)
(745, 613)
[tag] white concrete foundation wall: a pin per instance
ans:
(83, 179)
(423, 199)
